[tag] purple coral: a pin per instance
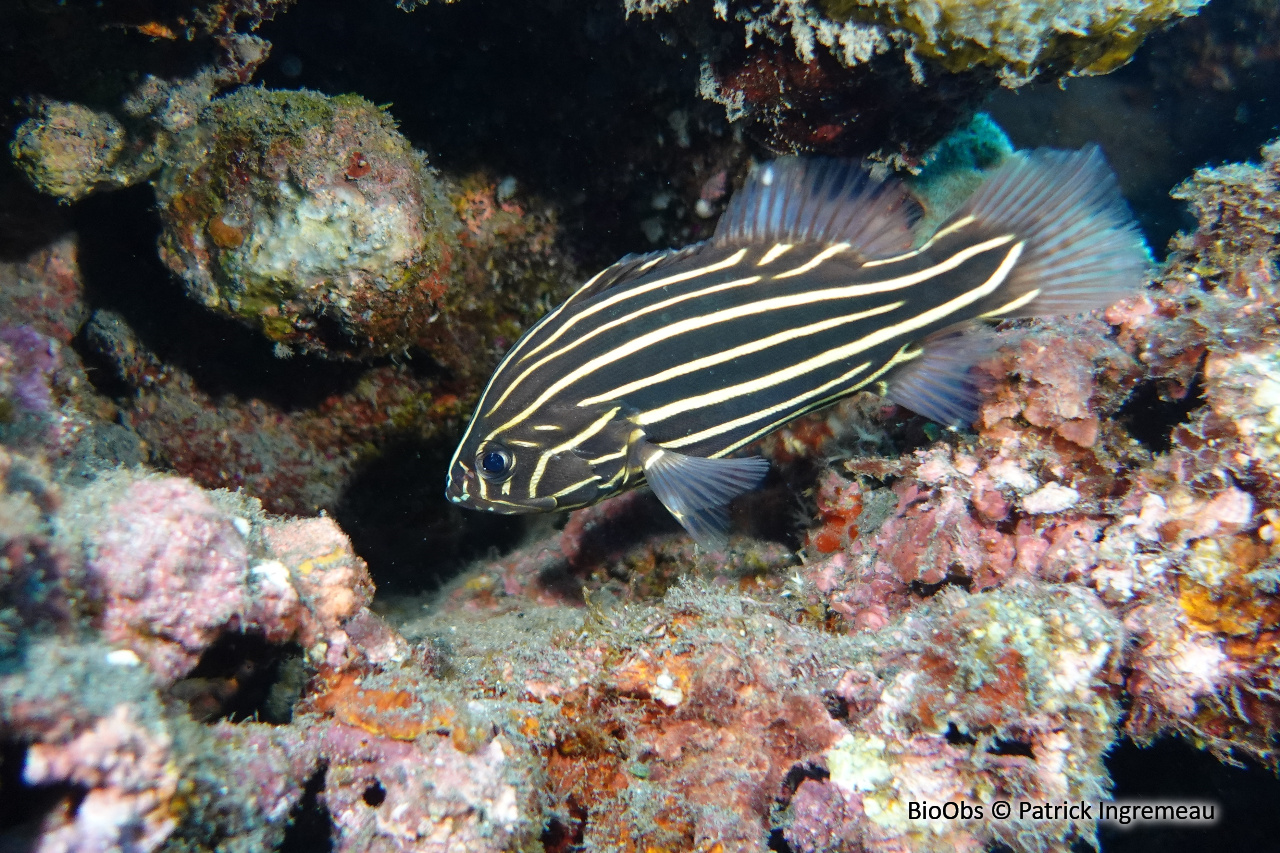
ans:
(27, 362)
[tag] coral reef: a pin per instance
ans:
(827, 75)
(907, 614)
(429, 795)
(296, 461)
(1018, 41)
(966, 621)
(983, 585)
(299, 458)
(310, 218)
(296, 458)
(68, 150)
(169, 572)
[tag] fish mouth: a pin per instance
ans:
(455, 491)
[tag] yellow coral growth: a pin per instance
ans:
(1232, 605)
(397, 714)
(1021, 38)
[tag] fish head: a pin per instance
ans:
(558, 458)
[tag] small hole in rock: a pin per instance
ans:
(1151, 419)
(926, 590)
(243, 677)
(560, 837)
(798, 773)
(778, 842)
(835, 706)
(375, 795)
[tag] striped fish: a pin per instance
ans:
(813, 287)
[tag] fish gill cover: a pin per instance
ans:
(257, 268)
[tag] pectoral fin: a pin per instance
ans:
(697, 491)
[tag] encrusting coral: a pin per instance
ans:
(1018, 40)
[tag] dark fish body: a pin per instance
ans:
(810, 290)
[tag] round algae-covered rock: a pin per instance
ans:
(309, 217)
(66, 150)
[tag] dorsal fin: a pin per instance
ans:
(629, 268)
(819, 200)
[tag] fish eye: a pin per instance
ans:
(494, 462)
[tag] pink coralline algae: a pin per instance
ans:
(172, 571)
(128, 776)
(27, 359)
(1179, 543)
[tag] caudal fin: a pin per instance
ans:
(1081, 250)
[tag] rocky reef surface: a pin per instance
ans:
(192, 655)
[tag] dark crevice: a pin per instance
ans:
(1172, 769)
(1002, 746)
(393, 510)
(798, 773)
(310, 826)
(835, 706)
(778, 842)
(955, 737)
(123, 273)
(1151, 418)
(563, 837)
(23, 807)
(243, 677)
(927, 590)
(575, 146)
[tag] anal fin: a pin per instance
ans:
(939, 383)
(697, 491)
